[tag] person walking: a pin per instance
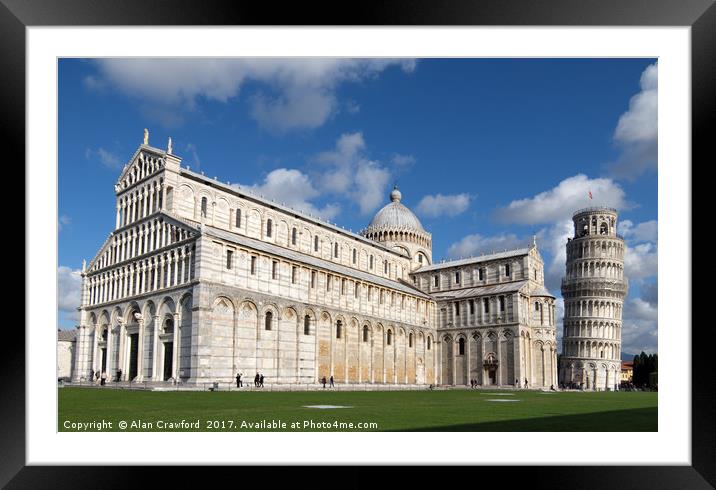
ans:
(261, 381)
(104, 378)
(256, 380)
(238, 380)
(323, 380)
(526, 383)
(119, 375)
(332, 385)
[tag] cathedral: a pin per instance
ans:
(201, 280)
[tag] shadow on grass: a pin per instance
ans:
(631, 420)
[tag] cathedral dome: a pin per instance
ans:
(395, 215)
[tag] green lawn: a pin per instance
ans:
(453, 410)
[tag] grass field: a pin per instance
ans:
(452, 410)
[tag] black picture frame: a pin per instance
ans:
(700, 15)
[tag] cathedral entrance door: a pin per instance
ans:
(104, 360)
(133, 355)
(492, 373)
(168, 359)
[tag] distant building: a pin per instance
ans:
(627, 372)
(66, 341)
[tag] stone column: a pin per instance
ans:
(499, 360)
(453, 367)
(140, 347)
(383, 380)
(517, 354)
(468, 358)
(176, 347)
(110, 374)
(155, 340)
(95, 342)
(122, 347)
(176, 267)
(482, 357)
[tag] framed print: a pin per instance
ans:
(426, 236)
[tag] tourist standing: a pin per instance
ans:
(323, 380)
(238, 380)
(104, 378)
(332, 385)
(261, 381)
(256, 380)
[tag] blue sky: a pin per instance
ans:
(487, 152)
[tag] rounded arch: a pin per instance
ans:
(132, 308)
(149, 309)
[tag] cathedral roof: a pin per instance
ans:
(474, 260)
(395, 216)
(297, 256)
(66, 335)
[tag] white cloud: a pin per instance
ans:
(637, 130)
(69, 289)
(191, 148)
(347, 171)
(477, 244)
(442, 205)
(560, 202)
(371, 181)
(352, 106)
(105, 157)
(402, 160)
(294, 188)
(646, 231)
(63, 221)
(553, 241)
(641, 261)
(295, 93)
(640, 326)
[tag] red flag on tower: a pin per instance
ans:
(590, 194)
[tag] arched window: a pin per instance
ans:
(269, 319)
(371, 262)
(339, 326)
(355, 255)
(410, 340)
(365, 333)
(430, 342)
(269, 227)
(238, 218)
(390, 337)
(335, 249)
(315, 243)
(203, 206)
(307, 325)
(461, 347)
(293, 236)
(169, 325)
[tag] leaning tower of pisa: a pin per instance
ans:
(593, 289)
